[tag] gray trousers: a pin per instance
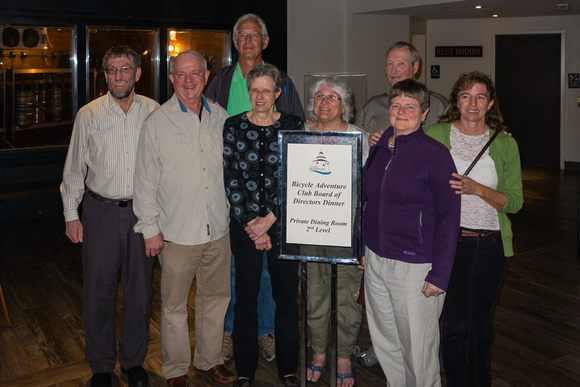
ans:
(110, 245)
(404, 325)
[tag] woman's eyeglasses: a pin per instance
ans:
(329, 97)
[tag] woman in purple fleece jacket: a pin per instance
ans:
(410, 231)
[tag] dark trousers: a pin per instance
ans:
(110, 244)
(248, 263)
(479, 269)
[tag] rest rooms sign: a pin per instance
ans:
(459, 51)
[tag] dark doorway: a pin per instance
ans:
(527, 72)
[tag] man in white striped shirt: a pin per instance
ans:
(99, 168)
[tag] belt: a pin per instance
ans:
(120, 203)
(467, 232)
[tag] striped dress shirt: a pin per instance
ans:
(102, 151)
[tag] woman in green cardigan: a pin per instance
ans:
(491, 191)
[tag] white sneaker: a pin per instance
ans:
(267, 347)
(227, 347)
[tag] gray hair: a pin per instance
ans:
(118, 51)
(254, 17)
(412, 89)
(340, 88)
(264, 70)
(188, 52)
(415, 57)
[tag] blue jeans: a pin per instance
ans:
(479, 269)
(266, 304)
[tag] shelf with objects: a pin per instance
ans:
(37, 87)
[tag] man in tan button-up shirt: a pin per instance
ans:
(183, 215)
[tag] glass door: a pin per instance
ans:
(143, 41)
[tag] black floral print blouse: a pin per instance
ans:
(251, 165)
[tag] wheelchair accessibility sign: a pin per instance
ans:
(435, 71)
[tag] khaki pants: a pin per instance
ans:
(210, 264)
(349, 312)
(404, 325)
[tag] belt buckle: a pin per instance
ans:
(123, 203)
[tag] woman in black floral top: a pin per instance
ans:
(251, 179)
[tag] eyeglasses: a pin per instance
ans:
(402, 108)
(253, 36)
(475, 73)
(123, 70)
(329, 97)
(265, 92)
(182, 75)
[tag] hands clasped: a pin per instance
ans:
(257, 231)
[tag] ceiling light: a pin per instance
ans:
(563, 7)
(478, 6)
(494, 15)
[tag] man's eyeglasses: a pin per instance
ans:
(329, 97)
(123, 70)
(253, 36)
(264, 92)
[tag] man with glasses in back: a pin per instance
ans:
(402, 62)
(99, 169)
(229, 89)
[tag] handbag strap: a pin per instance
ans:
(487, 144)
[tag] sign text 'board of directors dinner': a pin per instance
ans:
(319, 202)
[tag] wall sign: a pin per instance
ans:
(459, 51)
(573, 80)
(435, 72)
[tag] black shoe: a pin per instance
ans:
(290, 381)
(136, 376)
(103, 379)
(243, 383)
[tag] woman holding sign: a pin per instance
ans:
(410, 229)
(251, 180)
(330, 108)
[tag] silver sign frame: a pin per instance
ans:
(297, 147)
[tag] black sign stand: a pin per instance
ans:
(341, 253)
(333, 323)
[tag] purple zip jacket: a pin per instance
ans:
(410, 213)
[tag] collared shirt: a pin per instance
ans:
(179, 186)
(102, 151)
(239, 100)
